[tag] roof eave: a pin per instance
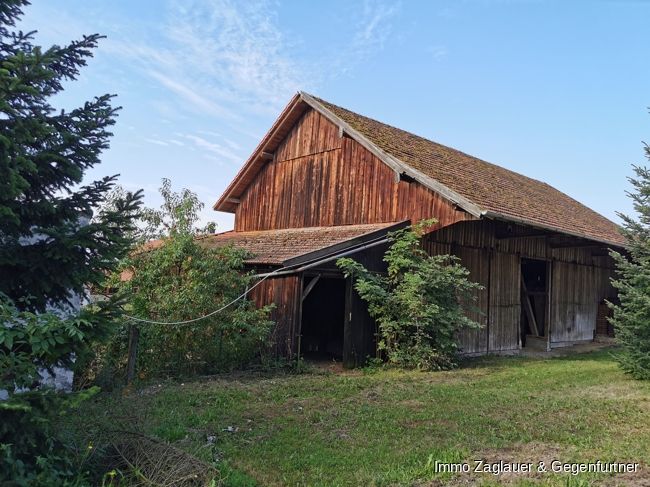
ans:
(334, 249)
(227, 201)
(494, 215)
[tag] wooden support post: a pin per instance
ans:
(134, 337)
(549, 304)
(298, 317)
(528, 307)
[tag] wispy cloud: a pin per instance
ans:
(438, 52)
(375, 24)
(220, 57)
(155, 141)
(372, 29)
(215, 150)
(229, 59)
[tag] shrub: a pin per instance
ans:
(182, 280)
(32, 450)
(418, 303)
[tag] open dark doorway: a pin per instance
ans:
(323, 316)
(534, 303)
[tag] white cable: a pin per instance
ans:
(187, 322)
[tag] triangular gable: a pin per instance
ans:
(281, 127)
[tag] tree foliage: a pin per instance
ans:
(31, 449)
(179, 278)
(50, 251)
(419, 304)
(179, 214)
(46, 250)
(631, 318)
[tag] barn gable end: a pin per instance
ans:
(321, 177)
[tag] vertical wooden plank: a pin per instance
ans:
(504, 305)
(318, 178)
(476, 262)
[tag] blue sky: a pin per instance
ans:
(555, 90)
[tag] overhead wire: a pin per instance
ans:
(212, 313)
(280, 271)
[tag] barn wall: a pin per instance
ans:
(360, 327)
(285, 293)
(318, 178)
(580, 279)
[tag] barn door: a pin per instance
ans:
(359, 330)
(503, 332)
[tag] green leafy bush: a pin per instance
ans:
(32, 450)
(418, 304)
(174, 276)
(182, 280)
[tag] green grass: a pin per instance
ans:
(388, 427)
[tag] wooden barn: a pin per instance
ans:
(326, 182)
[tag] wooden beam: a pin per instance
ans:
(296, 104)
(500, 235)
(574, 245)
(528, 308)
(310, 286)
(233, 200)
(267, 156)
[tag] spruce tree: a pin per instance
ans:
(49, 248)
(631, 318)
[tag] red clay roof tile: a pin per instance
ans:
(277, 246)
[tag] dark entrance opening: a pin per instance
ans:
(323, 317)
(534, 303)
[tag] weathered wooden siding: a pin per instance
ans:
(505, 310)
(575, 296)
(580, 279)
(475, 340)
(285, 293)
(318, 178)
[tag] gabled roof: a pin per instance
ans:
(482, 189)
(296, 245)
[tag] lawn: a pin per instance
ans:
(388, 427)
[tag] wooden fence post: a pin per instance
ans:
(134, 335)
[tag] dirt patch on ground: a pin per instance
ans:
(586, 347)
